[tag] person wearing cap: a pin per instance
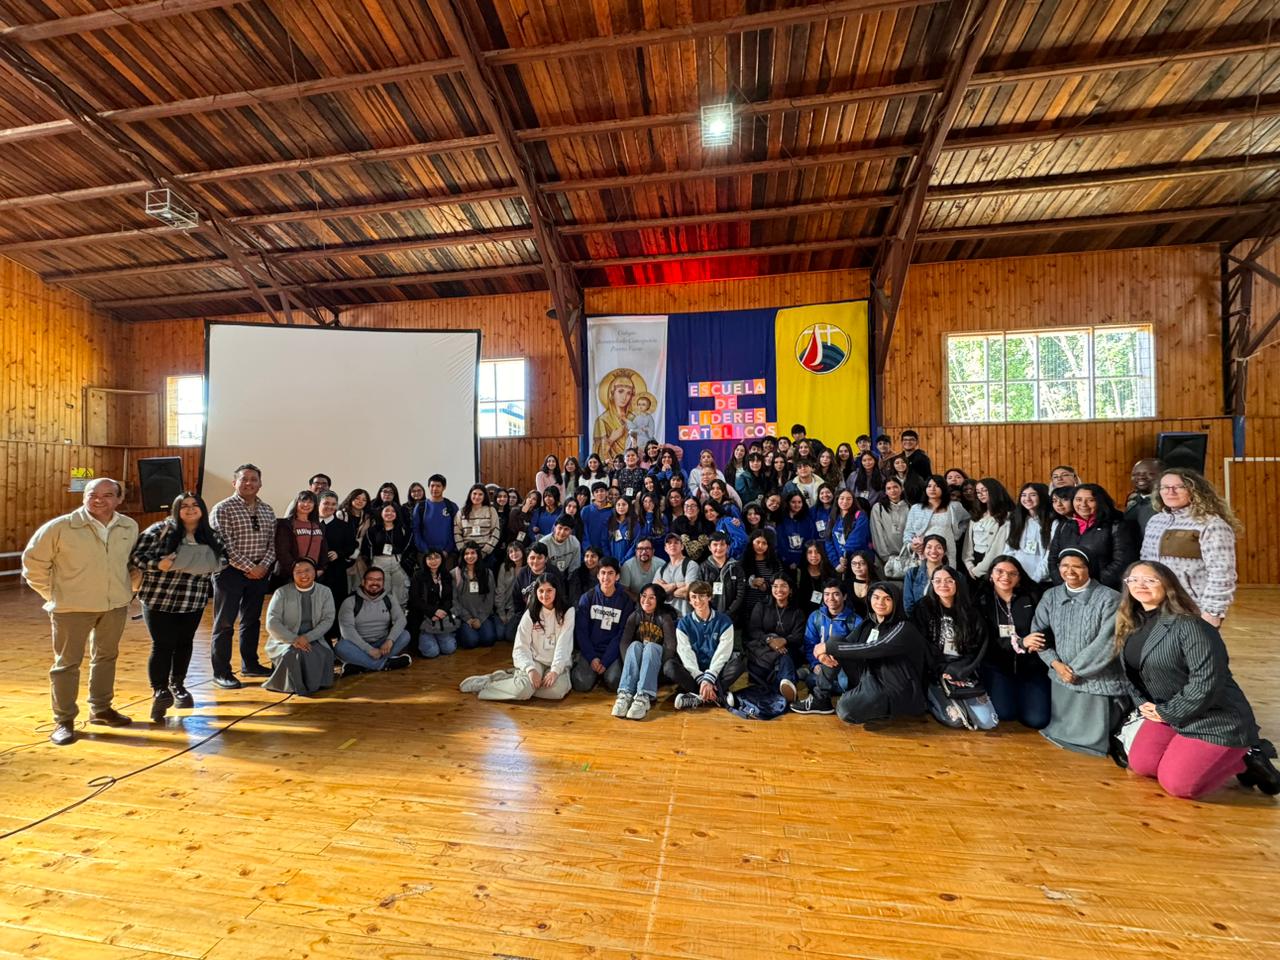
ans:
(676, 575)
(1073, 632)
(601, 618)
(298, 616)
(563, 549)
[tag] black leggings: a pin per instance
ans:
(171, 636)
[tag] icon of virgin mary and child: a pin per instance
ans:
(628, 409)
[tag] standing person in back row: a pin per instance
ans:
(918, 461)
(79, 564)
(433, 521)
(247, 527)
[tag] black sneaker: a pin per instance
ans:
(1260, 772)
(813, 704)
(161, 701)
(257, 670)
(398, 662)
(228, 683)
(182, 699)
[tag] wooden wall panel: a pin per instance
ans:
(1263, 391)
(35, 477)
(1252, 495)
(783, 290)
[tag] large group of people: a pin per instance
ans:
(857, 575)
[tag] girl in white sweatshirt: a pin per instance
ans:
(542, 653)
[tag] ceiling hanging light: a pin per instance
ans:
(718, 124)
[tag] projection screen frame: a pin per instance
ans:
(210, 324)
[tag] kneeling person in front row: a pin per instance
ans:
(602, 617)
(705, 666)
(298, 616)
(541, 654)
(371, 628)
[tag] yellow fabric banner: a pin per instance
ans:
(823, 370)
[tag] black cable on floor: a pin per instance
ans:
(104, 783)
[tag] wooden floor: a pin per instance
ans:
(397, 818)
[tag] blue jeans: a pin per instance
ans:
(640, 670)
(485, 635)
(1023, 696)
(348, 652)
(771, 677)
(431, 645)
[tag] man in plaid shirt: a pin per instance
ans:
(247, 527)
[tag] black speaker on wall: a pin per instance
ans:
(161, 480)
(1182, 450)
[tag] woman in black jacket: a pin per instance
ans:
(883, 661)
(956, 641)
(1197, 727)
(1016, 679)
(775, 640)
(1100, 530)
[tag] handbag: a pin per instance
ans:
(895, 568)
(957, 689)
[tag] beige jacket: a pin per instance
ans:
(67, 563)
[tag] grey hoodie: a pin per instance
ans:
(374, 625)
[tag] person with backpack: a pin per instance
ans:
(371, 629)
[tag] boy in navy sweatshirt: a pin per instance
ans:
(433, 521)
(705, 666)
(595, 518)
(597, 630)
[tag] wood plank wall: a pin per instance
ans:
(513, 325)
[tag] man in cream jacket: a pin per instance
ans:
(79, 564)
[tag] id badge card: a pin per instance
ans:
(520, 537)
(821, 526)
(1007, 632)
(717, 588)
(815, 597)
(473, 587)
(795, 540)
(386, 549)
(475, 531)
(630, 492)
(617, 535)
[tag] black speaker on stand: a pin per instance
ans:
(1186, 450)
(161, 480)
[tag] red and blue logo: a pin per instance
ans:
(822, 348)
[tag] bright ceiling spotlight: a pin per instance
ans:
(717, 124)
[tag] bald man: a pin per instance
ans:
(79, 564)
(1138, 509)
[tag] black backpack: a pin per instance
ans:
(386, 601)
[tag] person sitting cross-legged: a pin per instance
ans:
(648, 640)
(371, 628)
(705, 666)
(542, 652)
(602, 616)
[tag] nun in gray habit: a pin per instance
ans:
(1074, 633)
(297, 618)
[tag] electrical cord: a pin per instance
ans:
(104, 783)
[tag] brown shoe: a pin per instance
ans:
(110, 717)
(63, 733)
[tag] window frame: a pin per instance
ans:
(1092, 380)
(173, 414)
(498, 401)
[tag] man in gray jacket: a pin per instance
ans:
(371, 629)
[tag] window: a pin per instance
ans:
(1085, 373)
(184, 411)
(502, 398)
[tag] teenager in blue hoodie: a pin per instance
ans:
(830, 623)
(601, 618)
(595, 518)
(543, 522)
(433, 521)
(623, 529)
(705, 666)
(795, 529)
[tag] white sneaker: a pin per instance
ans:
(788, 691)
(475, 684)
(622, 705)
(688, 701)
(639, 708)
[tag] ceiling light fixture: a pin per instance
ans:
(718, 124)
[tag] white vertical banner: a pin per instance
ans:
(627, 376)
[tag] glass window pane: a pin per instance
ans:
(1064, 356)
(967, 359)
(509, 376)
(1020, 402)
(486, 381)
(996, 412)
(1020, 356)
(191, 395)
(511, 420)
(1064, 400)
(487, 421)
(995, 358)
(1128, 397)
(190, 429)
(967, 402)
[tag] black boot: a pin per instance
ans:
(161, 701)
(1260, 772)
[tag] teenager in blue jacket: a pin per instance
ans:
(849, 531)
(795, 529)
(597, 630)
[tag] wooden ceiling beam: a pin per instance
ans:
(811, 246)
(120, 16)
(350, 283)
(566, 294)
(338, 252)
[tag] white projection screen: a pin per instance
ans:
(363, 406)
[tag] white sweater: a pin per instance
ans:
(544, 645)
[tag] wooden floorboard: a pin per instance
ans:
(395, 817)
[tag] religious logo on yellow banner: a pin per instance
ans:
(822, 348)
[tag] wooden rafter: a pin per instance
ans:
(118, 16)
(565, 292)
(889, 274)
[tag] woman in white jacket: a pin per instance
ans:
(988, 536)
(542, 653)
